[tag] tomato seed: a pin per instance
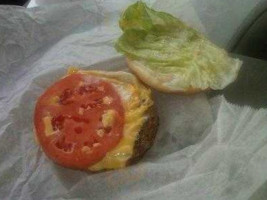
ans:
(57, 122)
(64, 97)
(78, 130)
(86, 89)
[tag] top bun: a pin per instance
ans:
(158, 81)
(170, 56)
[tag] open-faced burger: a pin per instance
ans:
(95, 120)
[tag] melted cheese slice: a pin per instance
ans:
(136, 100)
(48, 126)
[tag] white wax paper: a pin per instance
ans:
(205, 148)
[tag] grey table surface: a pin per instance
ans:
(225, 21)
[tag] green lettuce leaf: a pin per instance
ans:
(167, 45)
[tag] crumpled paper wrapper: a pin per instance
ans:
(205, 148)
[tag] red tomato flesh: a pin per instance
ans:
(75, 106)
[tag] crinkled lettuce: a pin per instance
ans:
(167, 45)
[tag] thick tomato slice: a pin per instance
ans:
(69, 120)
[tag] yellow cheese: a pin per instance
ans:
(136, 100)
(72, 70)
(107, 100)
(54, 100)
(108, 118)
(86, 149)
(48, 126)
